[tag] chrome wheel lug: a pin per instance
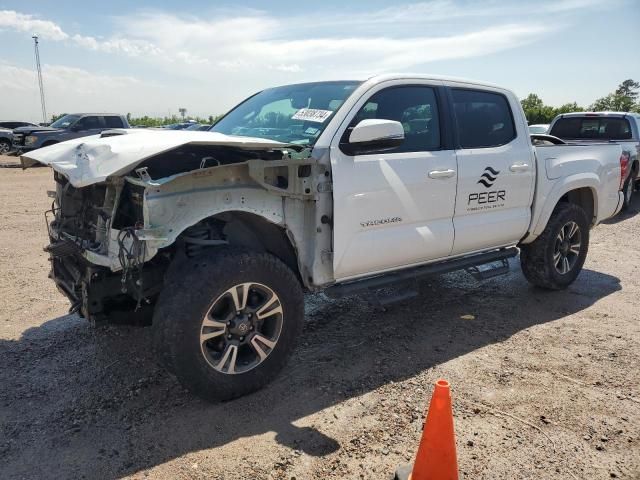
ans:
(241, 339)
(229, 336)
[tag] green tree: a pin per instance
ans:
(568, 107)
(536, 111)
(624, 99)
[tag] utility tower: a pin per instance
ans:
(44, 108)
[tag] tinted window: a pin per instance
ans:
(484, 119)
(415, 108)
(113, 122)
(88, 123)
(585, 128)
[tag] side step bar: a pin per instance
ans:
(469, 263)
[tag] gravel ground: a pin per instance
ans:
(545, 384)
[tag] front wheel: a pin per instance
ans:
(5, 146)
(555, 258)
(227, 322)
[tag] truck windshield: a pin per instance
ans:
(290, 114)
(592, 128)
(65, 121)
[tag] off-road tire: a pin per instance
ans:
(536, 258)
(5, 146)
(627, 192)
(189, 292)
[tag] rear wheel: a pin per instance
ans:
(555, 258)
(227, 322)
(627, 190)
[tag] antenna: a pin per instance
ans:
(44, 109)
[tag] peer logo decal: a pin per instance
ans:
(487, 179)
(487, 200)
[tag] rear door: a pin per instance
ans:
(394, 208)
(495, 170)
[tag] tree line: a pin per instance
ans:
(147, 121)
(623, 99)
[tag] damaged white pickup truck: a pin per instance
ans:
(339, 186)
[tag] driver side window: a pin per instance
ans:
(415, 107)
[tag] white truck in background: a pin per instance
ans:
(622, 128)
(344, 187)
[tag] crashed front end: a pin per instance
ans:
(120, 205)
(95, 251)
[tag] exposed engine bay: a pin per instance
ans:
(112, 242)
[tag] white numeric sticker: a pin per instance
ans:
(312, 115)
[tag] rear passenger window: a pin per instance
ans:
(414, 107)
(113, 122)
(483, 119)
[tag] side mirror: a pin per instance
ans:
(75, 127)
(374, 135)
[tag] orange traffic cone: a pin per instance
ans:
(436, 458)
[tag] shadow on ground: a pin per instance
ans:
(77, 402)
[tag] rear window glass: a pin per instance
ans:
(588, 128)
(483, 118)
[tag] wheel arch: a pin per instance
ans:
(580, 190)
(253, 231)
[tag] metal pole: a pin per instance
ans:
(44, 109)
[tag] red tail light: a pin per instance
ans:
(624, 168)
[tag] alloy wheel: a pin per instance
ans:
(241, 328)
(567, 248)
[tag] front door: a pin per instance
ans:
(495, 172)
(394, 208)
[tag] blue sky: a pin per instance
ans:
(153, 57)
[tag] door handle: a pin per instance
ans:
(442, 173)
(519, 167)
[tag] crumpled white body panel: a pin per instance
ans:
(88, 160)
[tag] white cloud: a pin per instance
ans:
(70, 89)
(20, 22)
(211, 61)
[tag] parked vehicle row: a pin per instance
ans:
(341, 187)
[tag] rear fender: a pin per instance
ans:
(561, 188)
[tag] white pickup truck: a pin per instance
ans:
(340, 186)
(622, 128)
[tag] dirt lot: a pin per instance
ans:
(545, 384)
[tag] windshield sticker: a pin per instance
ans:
(311, 130)
(312, 115)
